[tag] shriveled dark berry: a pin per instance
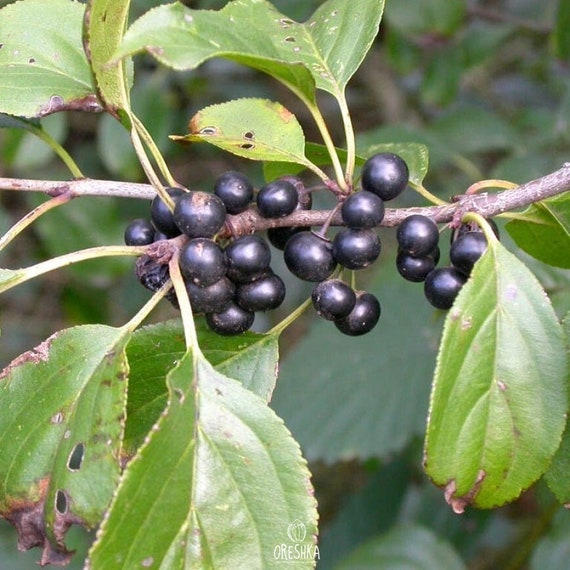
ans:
(442, 286)
(211, 299)
(386, 174)
(363, 317)
(202, 261)
(277, 199)
(139, 232)
(466, 250)
(161, 217)
(333, 299)
(235, 190)
(309, 257)
(199, 214)
(356, 249)
(151, 275)
(416, 269)
(363, 210)
(232, 320)
(417, 235)
(263, 294)
(248, 258)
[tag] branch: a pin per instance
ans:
(250, 221)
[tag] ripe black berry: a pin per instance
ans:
(162, 217)
(385, 174)
(356, 249)
(416, 269)
(261, 295)
(139, 232)
(235, 190)
(277, 199)
(248, 258)
(333, 299)
(212, 299)
(417, 235)
(278, 237)
(202, 261)
(309, 256)
(442, 286)
(363, 317)
(231, 321)
(363, 210)
(199, 214)
(466, 250)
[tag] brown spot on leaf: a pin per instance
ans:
(286, 115)
(458, 504)
(38, 354)
(89, 103)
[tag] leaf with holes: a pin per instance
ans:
(154, 350)
(327, 49)
(543, 230)
(218, 483)
(258, 129)
(43, 68)
(104, 26)
(499, 398)
(60, 464)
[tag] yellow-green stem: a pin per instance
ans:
(483, 224)
(350, 140)
(148, 307)
(493, 183)
(59, 150)
(280, 327)
(425, 193)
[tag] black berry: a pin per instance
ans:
(211, 299)
(261, 295)
(277, 199)
(333, 299)
(235, 190)
(248, 258)
(162, 217)
(363, 210)
(363, 317)
(199, 214)
(202, 261)
(416, 269)
(151, 275)
(278, 237)
(356, 249)
(442, 286)
(309, 256)
(386, 174)
(417, 235)
(466, 250)
(231, 321)
(139, 232)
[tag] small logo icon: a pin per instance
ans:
(297, 531)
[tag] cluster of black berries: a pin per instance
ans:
(418, 255)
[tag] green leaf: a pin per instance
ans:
(408, 546)
(437, 17)
(346, 398)
(253, 128)
(329, 47)
(60, 432)
(43, 68)
(543, 230)
(154, 350)
(562, 30)
(219, 483)
(104, 25)
(499, 397)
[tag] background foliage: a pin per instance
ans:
(486, 86)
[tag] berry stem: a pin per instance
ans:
(148, 307)
(190, 336)
(349, 137)
(32, 216)
(425, 193)
(483, 224)
(25, 274)
(289, 319)
(484, 184)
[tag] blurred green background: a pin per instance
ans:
(486, 86)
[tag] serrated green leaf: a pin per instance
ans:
(43, 68)
(60, 432)
(154, 350)
(543, 230)
(257, 129)
(218, 483)
(104, 25)
(407, 546)
(330, 45)
(499, 398)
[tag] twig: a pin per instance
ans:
(250, 221)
